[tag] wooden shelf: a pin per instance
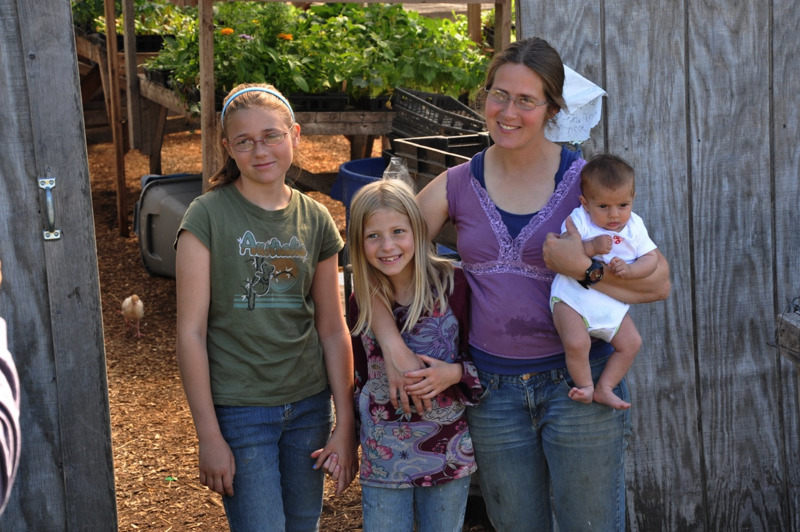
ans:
(351, 123)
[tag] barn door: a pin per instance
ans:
(50, 295)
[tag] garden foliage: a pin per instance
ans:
(364, 51)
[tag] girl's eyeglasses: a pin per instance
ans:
(245, 145)
(523, 103)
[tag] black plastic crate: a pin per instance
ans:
(422, 113)
(330, 102)
(428, 157)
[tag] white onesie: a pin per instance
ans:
(601, 313)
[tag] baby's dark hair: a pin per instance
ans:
(607, 171)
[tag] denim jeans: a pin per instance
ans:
(528, 434)
(275, 486)
(433, 508)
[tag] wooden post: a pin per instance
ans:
(115, 118)
(474, 25)
(208, 113)
(502, 24)
(131, 64)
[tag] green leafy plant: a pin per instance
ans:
(151, 17)
(375, 48)
(364, 51)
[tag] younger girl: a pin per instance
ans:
(262, 343)
(415, 468)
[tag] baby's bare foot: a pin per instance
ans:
(606, 396)
(582, 395)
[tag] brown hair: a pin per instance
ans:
(536, 54)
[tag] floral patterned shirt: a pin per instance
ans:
(400, 450)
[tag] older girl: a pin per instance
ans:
(262, 343)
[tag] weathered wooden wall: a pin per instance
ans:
(51, 296)
(704, 100)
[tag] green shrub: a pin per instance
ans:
(363, 51)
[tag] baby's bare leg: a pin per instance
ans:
(626, 343)
(572, 330)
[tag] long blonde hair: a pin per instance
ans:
(432, 276)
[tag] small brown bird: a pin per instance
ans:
(133, 310)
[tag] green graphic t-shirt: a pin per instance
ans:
(262, 343)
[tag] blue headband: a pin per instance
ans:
(256, 89)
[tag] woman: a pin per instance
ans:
(508, 204)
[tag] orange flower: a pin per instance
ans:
(285, 36)
(226, 31)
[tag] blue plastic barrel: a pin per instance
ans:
(355, 174)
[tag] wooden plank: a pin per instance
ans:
(51, 297)
(474, 23)
(785, 110)
(306, 181)
(643, 125)
(346, 123)
(787, 336)
(573, 29)
(312, 123)
(729, 87)
(208, 117)
(38, 499)
(131, 61)
(90, 83)
(116, 120)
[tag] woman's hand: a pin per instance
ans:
(565, 253)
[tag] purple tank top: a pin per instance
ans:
(510, 311)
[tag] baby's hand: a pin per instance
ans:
(620, 268)
(602, 244)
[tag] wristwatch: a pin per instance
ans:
(594, 274)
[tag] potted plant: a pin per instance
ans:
(153, 20)
(330, 51)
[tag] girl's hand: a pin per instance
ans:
(339, 458)
(330, 466)
(217, 465)
(435, 379)
(400, 363)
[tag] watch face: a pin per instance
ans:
(595, 272)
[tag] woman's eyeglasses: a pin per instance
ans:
(245, 145)
(523, 103)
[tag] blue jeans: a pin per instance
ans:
(528, 434)
(275, 486)
(433, 508)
